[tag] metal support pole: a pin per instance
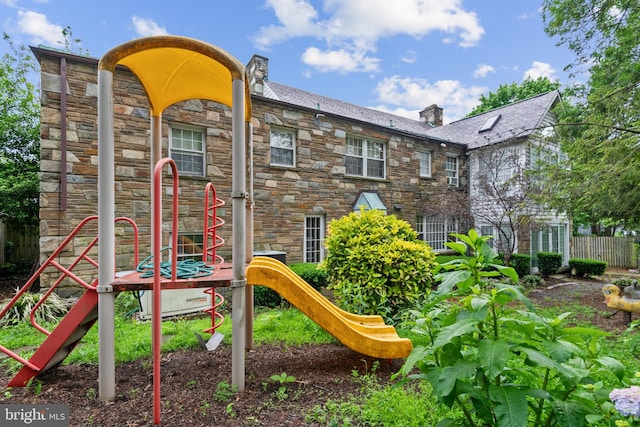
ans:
(249, 240)
(238, 194)
(106, 238)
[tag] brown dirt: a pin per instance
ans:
(192, 380)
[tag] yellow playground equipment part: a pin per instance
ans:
(368, 334)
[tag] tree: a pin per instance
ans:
(601, 133)
(19, 139)
(504, 195)
(510, 93)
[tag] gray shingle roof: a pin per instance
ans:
(519, 119)
(328, 105)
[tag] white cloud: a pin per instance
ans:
(41, 31)
(355, 26)
(456, 99)
(409, 57)
(340, 60)
(297, 19)
(540, 69)
(9, 3)
(482, 70)
(147, 27)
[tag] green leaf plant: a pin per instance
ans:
(493, 356)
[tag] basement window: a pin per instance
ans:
(369, 200)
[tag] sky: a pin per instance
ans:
(398, 56)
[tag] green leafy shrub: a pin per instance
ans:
(376, 264)
(442, 259)
(549, 263)
(8, 269)
(587, 267)
(521, 263)
(491, 355)
(311, 274)
(531, 281)
(265, 297)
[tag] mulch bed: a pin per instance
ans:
(194, 382)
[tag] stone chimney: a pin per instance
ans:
(432, 115)
(257, 73)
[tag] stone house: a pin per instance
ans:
(314, 159)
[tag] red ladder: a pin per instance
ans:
(73, 327)
(212, 241)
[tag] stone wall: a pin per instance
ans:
(317, 185)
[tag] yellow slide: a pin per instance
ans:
(367, 335)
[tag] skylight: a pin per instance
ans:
(490, 123)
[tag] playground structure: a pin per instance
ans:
(173, 69)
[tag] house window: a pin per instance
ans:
(283, 147)
(551, 239)
(190, 246)
(435, 230)
(451, 170)
(314, 239)
(186, 148)
(425, 164)
(365, 158)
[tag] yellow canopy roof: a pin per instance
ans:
(174, 69)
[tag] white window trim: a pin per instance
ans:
(449, 225)
(453, 181)
(293, 149)
(202, 153)
(364, 157)
(305, 254)
(420, 158)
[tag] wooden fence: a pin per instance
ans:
(18, 248)
(615, 251)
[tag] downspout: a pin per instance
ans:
(63, 134)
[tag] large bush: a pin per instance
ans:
(587, 267)
(549, 263)
(310, 273)
(376, 264)
(521, 263)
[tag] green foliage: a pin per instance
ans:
(224, 391)
(311, 274)
(514, 92)
(531, 281)
(479, 269)
(51, 311)
(9, 269)
(491, 355)
(265, 297)
(587, 267)
(442, 259)
(600, 132)
(521, 263)
(376, 264)
(549, 262)
(19, 139)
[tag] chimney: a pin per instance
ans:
(258, 73)
(432, 115)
